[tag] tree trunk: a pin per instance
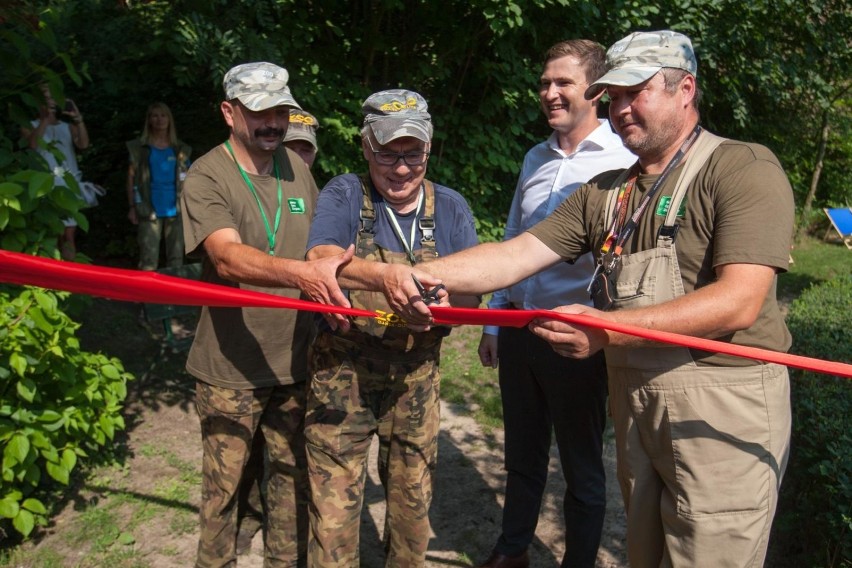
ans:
(806, 207)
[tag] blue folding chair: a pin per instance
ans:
(841, 221)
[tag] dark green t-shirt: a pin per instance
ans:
(243, 348)
(738, 210)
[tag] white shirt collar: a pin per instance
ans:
(598, 139)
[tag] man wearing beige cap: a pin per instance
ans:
(247, 208)
(380, 377)
(689, 240)
(301, 137)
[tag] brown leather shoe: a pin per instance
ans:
(497, 560)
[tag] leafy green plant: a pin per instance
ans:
(31, 207)
(815, 519)
(57, 402)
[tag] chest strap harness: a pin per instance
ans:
(426, 223)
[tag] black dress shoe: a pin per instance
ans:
(497, 560)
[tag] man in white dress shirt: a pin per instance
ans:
(542, 391)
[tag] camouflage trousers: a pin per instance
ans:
(229, 419)
(354, 395)
(149, 235)
(251, 501)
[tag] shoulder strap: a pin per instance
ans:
(698, 156)
(368, 214)
(426, 223)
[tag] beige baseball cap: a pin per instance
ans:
(259, 86)
(639, 56)
(397, 113)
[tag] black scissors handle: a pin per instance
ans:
(428, 296)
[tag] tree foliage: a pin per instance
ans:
(57, 402)
(768, 68)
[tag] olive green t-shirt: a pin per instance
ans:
(244, 348)
(738, 209)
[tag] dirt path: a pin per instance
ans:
(465, 514)
(154, 494)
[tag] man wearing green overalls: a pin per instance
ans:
(689, 241)
(380, 377)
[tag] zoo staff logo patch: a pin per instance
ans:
(665, 203)
(296, 205)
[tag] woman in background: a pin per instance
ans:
(158, 164)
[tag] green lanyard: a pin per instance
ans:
(409, 249)
(270, 234)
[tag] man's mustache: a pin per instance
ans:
(264, 132)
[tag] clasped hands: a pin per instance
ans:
(568, 340)
(406, 300)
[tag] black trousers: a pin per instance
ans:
(542, 393)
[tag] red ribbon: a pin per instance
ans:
(151, 287)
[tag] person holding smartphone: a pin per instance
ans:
(65, 131)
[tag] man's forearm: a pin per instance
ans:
(238, 262)
(358, 274)
(491, 266)
(715, 310)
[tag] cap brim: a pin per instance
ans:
(299, 134)
(263, 101)
(626, 77)
(389, 129)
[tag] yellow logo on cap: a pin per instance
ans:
(303, 119)
(396, 106)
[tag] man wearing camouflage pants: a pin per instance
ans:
(247, 207)
(380, 378)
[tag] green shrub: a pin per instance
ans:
(56, 402)
(815, 517)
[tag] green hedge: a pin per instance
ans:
(814, 522)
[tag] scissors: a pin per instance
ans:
(428, 296)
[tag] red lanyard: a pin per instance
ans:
(620, 232)
(621, 213)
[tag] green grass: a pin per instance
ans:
(465, 382)
(814, 261)
(102, 534)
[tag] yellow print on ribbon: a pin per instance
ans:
(389, 319)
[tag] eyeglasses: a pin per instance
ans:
(385, 158)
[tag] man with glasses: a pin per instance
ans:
(381, 376)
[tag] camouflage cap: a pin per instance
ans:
(303, 126)
(397, 113)
(259, 86)
(639, 56)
